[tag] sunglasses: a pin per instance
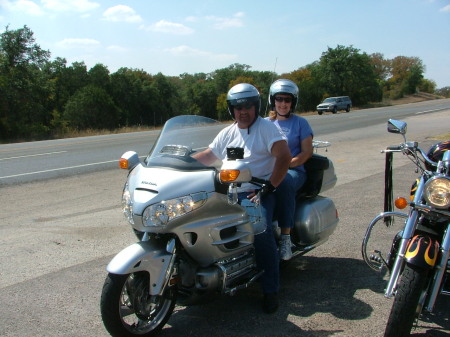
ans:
(245, 106)
(281, 99)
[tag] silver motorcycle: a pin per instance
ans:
(417, 254)
(196, 239)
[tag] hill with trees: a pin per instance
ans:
(41, 98)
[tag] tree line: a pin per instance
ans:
(42, 98)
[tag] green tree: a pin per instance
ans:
(98, 75)
(309, 88)
(91, 108)
(381, 66)
(23, 88)
(165, 97)
(344, 71)
(445, 92)
(428, 86)
(134, 95)
(406, 76)
(223, 77)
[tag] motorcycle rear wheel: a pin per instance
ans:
(407, 307)
(127, 308)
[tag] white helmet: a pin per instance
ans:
(241, 94)
(283, 86)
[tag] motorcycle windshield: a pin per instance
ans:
(181, 137)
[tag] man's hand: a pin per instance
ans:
(265, 189)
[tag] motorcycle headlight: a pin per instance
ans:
(127, 205)
(160, 214)
(437, 192)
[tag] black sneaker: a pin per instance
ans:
(270, 303)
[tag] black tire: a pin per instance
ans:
(127, 309)
(335, 110)
(320, 112)
(348, 108)
(406, 307)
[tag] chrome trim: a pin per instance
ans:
(368, 233)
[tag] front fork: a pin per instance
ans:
(408, 231)
(440, 270)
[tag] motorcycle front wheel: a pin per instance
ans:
(127, 308)
(407, 307)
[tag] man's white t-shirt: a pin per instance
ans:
(257, 143)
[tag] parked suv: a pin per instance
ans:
(334, 104)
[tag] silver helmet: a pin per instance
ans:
(283, 86)
(243, 93)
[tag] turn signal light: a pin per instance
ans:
(229, 175)
(123, 163)
(401, 203)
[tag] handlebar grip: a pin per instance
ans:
(394, 148)
(260, 181)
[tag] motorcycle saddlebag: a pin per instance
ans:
(315, 220)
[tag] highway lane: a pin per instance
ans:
(27, 162)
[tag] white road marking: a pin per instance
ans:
(58, 169)
(33, 155)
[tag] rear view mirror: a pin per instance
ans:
(395, 126)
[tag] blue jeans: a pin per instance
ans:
(285, 197)
(266, 248)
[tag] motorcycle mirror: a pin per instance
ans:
(395, 126)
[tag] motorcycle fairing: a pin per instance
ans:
(149, 256)
(149, 185)
(422, 251)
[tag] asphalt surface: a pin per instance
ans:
(57, 237)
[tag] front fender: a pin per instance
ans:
(149, 256)
(422, 251)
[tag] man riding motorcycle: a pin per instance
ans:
(268, 155)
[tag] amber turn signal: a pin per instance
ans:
(229, 175)
(401, 203)
(123, 163)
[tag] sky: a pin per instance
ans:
(199, 36)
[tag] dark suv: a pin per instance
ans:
(334, 104)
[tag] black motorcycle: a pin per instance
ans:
(417, 260)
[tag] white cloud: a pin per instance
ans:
(223, 23)
(192, 52)
(169, 27)
(70, 5)
(445, 9)
(121, 13)
(78, 43)
(23, 6)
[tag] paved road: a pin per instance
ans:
(58, 235)
(27, 162)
